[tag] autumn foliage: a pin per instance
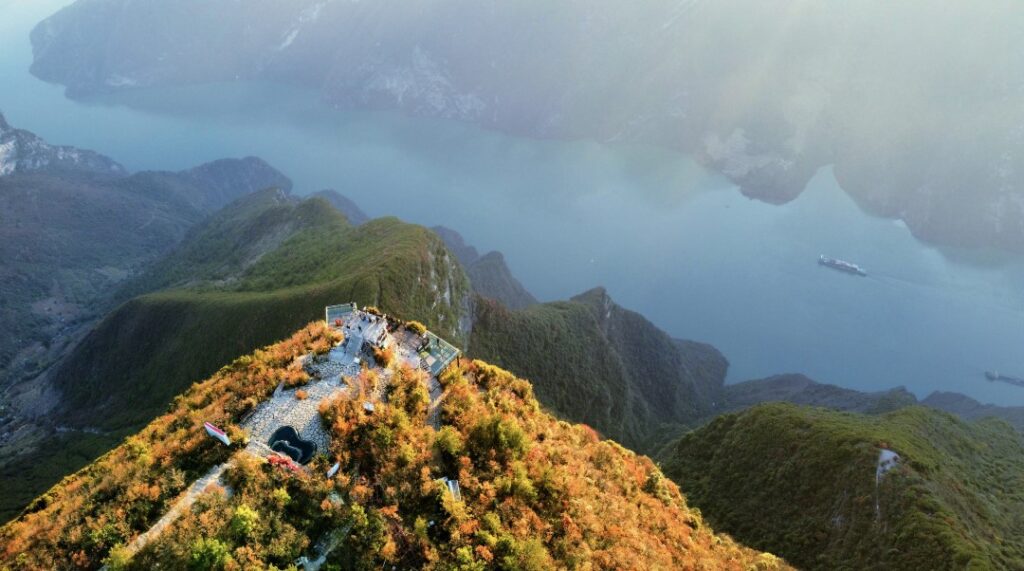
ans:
(121, 494)
(535, 492)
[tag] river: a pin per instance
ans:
(666, 237)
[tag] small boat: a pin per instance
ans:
(842, 265)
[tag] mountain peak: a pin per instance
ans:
(597, 293)
(598, 299)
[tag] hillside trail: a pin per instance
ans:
(183, 503)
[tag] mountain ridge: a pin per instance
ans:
(76, 225)
(547, 473)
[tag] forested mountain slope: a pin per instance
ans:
(74, 225)
(592, 361)
(814, 486)
(247, 276)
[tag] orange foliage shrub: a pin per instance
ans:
(384, 357)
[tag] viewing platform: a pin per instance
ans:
(364, 331)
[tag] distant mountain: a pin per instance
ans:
(818, 487)
(917, 110)
(344, 205)
(466, 253)
(592, 361)
(530, 491)
(970, 409)
(798, 389)
(74, 225)
(22, 152)
(488, 274)
(801, 390)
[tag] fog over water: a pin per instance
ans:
(667, 238)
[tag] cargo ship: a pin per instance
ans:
(842, 265)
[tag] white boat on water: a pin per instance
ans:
(842, 265)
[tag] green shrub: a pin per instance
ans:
(208, 554)
(502, 436)
(244, 521)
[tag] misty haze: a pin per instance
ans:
(773, 249)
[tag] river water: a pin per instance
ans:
(666, 237)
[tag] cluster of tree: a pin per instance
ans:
(804, 483)
(532, 492)
(384, 357)
(266, 516)
(109, 502)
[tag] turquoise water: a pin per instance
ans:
(666, 237)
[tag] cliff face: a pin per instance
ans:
(489, 275)
(765, 94)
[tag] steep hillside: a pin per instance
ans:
(247, 276)
(767, 93)
(492, 278)
(798, 389)
(595, 362)
(74, 225)
(801, 390)
(216, 252)
(252, 273)
(970, 409)
(534, 492)
(812, 486)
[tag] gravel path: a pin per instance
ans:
(285, 409)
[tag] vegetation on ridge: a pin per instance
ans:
(250, 275)
(801, 482)
(594, 362)
(149, 349)
(536, 492)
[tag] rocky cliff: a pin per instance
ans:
(489, 274)
(23, 152)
